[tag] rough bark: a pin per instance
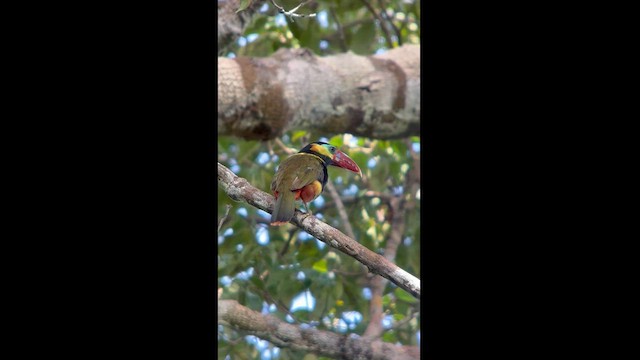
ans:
(374, 96)
(305, 338)
(239, 189)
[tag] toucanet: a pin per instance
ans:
(302, 176)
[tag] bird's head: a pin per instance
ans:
(331, 155)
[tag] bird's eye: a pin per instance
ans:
(332, 149)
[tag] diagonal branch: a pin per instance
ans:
(239, 189)
(306, 338)
(224, 218)
(385, 32)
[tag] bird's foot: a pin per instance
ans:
(308, 211)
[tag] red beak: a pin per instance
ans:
(341, 159)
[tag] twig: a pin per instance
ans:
(239, 189)
(292, 232)
(284, 147)
(402, 322)
(336, 35)
(341, 211)
(292, 13)
(278, 303)
(383, 6)
(222, 220)
(341, 37)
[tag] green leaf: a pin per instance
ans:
(253, 302)
(308, 251)
(320, 266)
(295, 29)
(338, 290)
(297, 135)
(257, 282)
(364, 38)
(386, 300)
(286, 289)
(257, 25)
(404, 296)
(360, 158)
(243, 5)
(337, 140)
(390, 337)
(310, 35)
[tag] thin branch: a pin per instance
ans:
(403, 322)
(284, 147)
(239, 189)
(383, 7)
(341, 37)
(267, 296)
(224, 218)
(341, 211)
(378, 284)
(381, 21)
(336, 35)
(292, 13)
(309, 339)
(287, 243)
(398, 208)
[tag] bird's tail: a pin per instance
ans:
(284, 209)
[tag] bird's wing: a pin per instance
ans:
(305, 169)
(306, 176)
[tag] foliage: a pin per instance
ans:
(270, 269)
(339, 26)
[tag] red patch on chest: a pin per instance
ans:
(307, 194)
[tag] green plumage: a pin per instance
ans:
(294, 173)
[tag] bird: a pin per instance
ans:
(302, 176)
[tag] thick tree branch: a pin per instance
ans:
(239, 189)
(306, 338)
(374, 96)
